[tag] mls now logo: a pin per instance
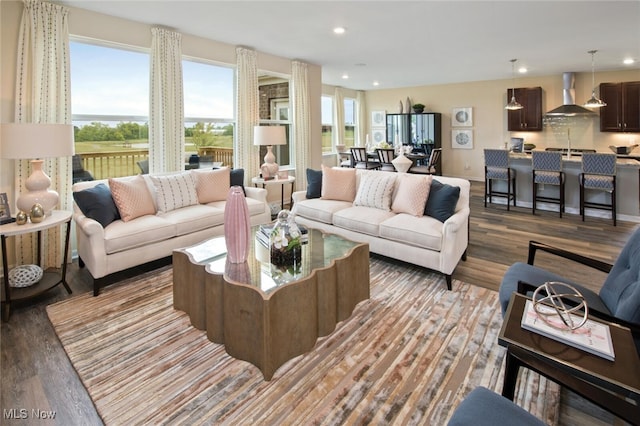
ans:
(15, 413)
(23, 413)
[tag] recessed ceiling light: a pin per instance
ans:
(628, 61)
(375, 83)
(345, 76)
(339, 30)
(522, 70)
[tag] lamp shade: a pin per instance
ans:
(35, 140)
(269, 135)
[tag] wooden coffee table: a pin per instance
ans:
(613, 385)
(264, 315)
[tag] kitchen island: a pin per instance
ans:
(627, 187)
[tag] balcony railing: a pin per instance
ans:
(103, 165)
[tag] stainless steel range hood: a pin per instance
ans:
(569, 107)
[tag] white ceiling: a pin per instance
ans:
(409, 43)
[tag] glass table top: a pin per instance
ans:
(319, 250)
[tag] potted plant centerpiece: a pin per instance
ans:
(418, 108)
(285, 241)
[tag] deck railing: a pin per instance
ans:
(103, 165)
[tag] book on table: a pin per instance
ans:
(593, 337)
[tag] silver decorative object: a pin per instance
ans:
(37, 213)
(400, 110)
(561, 316)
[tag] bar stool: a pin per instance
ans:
(599, 173)
(496, 166)
(547, 170)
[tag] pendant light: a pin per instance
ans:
(513, 104)
(594, 102)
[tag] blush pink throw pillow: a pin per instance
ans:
(338, 183)
(132, 197)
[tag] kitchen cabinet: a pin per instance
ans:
(422, 130)
(529, 118)
(622, 113)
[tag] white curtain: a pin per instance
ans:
(338, 116)
(301, 134)
(43, 96)
(246, 156)
(361, 129)
(166, 109)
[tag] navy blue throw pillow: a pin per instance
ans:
(237, 179)
(442, 200)
(97, 203)
(314, 183)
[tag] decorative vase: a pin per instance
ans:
(239, 272)
(402, 163)
(407, 106)
(237, 227)
(285, 241)
(37, 213)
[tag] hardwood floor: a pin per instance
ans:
(37, 375)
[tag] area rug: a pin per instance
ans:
(408, 355)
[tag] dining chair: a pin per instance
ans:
(346, 159)
(361, 160)
(385, 156)
(598, 173)
(547, 170)
(431, 167)
(496, 167)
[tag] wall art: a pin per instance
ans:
(377, 119)
(379, 135)
(462, 139)
(462, 117)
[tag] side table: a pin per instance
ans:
(612, 385)
(276, 181)
(50, 278)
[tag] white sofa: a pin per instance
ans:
(136, 238)
(413, 238)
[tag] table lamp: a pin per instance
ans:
(20, 141)
(269, 136)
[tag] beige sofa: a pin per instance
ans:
(391, 220)
(126, 222)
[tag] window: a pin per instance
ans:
(327, 124)
(209, 110)
(275, 110)
(110, 107)
(350, 122)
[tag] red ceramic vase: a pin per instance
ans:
(237, 227)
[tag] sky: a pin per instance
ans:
(110, 81)
(114, 81)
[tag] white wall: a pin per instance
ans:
(488, 98)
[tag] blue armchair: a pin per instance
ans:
(619, 298)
